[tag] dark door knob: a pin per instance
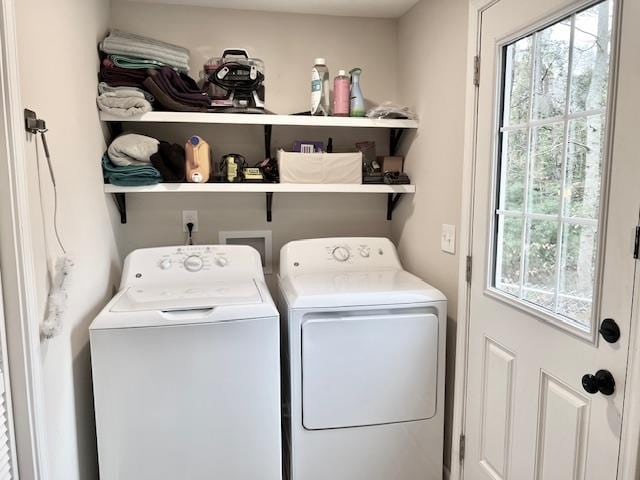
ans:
(609, 330)
(602, 382)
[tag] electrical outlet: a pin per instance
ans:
(189, 216)
(448, 239)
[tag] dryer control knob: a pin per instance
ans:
(193, 263)
(221, 261)
(340, 254)
(165, 264)
(365, 252)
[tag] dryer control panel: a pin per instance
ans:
(338, 254)
(189, 263)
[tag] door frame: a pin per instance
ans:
(629, 452)
(21, 306)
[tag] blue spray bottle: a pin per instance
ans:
(357, 100)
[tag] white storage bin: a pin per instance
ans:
(298, 167)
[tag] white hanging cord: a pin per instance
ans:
(59, 278)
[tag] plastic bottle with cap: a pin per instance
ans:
(198, 160)
(320, 88)
(341, 94)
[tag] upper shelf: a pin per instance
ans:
(262, 119)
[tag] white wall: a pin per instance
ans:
(288, 44)
(58, 65)
(431, 79)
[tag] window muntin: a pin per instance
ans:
(551, 147)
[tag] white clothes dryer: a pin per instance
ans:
(364, 342)
(186, 368)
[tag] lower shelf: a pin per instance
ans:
(394, 192)
(262, 187)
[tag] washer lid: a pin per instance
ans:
(357, 288)
(187, 297)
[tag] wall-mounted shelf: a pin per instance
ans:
(262, 119)
(396, 128)
(393, 191)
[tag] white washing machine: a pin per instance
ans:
(186, 368)
(366, 352)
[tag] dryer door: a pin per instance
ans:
(366, 370)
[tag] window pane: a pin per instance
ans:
(552, 65)
(518, 82)
(552, 155)
(508, 258)
(590, 73)
(540, 279)
(578, 272)
(546, 169)
(584, 166)
(515, 148)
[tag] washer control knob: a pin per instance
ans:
(193, 263)
(221, 261)
(365, 252)
(340, 254)
(165, 263)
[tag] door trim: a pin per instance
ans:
(18, 269)
(629, 455)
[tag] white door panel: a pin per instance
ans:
(497, 408)
(555, 204)
(353, 375)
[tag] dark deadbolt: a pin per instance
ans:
(609, 330)
(602, 382)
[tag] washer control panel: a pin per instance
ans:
(191, 262)
(337, 254)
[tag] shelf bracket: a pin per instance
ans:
(267, 141)
(269, 205)
(395, 134)
(121, 205)
(392, 203)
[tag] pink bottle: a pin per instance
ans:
(341, 95)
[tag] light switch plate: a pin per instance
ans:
(448, 239)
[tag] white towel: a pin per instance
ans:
(124, 43)
(132, 149)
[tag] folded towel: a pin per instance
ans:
(135, 63)
(131, 176)
(167, 102)
(116, 103)
(124, 43)
(181, 88)
(120, 77)
(132, 149)
(170, 162)
(106, 88)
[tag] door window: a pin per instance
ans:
(551, 140)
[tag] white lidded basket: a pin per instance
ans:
(296, 167)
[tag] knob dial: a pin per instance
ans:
(341, 254)
(165, 264)
(365, 252)
(193, 263)
(221, 261)
(602, 382)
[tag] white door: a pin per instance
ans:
(7, 444)
(556, 202)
